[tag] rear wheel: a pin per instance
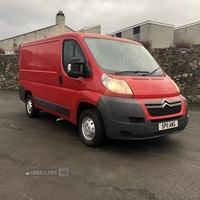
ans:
(91, 128)
(31, 110)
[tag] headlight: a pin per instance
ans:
(176, 86)
(115, 85)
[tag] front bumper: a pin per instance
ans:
(125, 119)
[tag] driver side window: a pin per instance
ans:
(71, 49)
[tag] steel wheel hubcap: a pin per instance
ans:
(88, 128)
(29, 106)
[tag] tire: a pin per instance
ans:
(91, 128)
(31, 110)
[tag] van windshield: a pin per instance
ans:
(123, 58)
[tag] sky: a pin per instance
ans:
(22, 16)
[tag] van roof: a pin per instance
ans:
(75, 35)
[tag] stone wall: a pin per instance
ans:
(182, 65)
(9, 71)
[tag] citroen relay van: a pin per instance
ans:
(110, 87)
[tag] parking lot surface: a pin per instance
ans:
(44, 159)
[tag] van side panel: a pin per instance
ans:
(38, 69)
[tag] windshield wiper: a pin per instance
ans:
(133, 72)
(152, 72)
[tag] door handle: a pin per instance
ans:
(60, 79)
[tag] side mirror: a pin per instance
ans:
(75, 67)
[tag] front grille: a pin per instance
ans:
(163, 107)
(167, 110)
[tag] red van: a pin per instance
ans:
(110, 87)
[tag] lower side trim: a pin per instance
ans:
(57, 108)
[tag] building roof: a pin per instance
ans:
(34, 31)
(140, 24)
(188, 25)
(88, 27)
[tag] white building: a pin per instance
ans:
(91, 29)
(12, 44)
(160, 35)
(189, 33)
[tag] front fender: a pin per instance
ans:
(89, 97)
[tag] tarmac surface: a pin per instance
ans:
(44, 159)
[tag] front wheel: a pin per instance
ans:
(91, 128)
(31, 110)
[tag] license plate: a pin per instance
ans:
(167, 125)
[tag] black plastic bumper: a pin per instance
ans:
(22, 93)
(124, 119)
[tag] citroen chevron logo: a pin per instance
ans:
(165, 102)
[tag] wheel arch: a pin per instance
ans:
(23, 93)
(82, 107)
(27, 92)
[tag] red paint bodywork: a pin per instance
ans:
(41, 65)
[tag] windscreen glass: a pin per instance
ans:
(117, 57)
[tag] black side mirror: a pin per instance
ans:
(75, 67)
